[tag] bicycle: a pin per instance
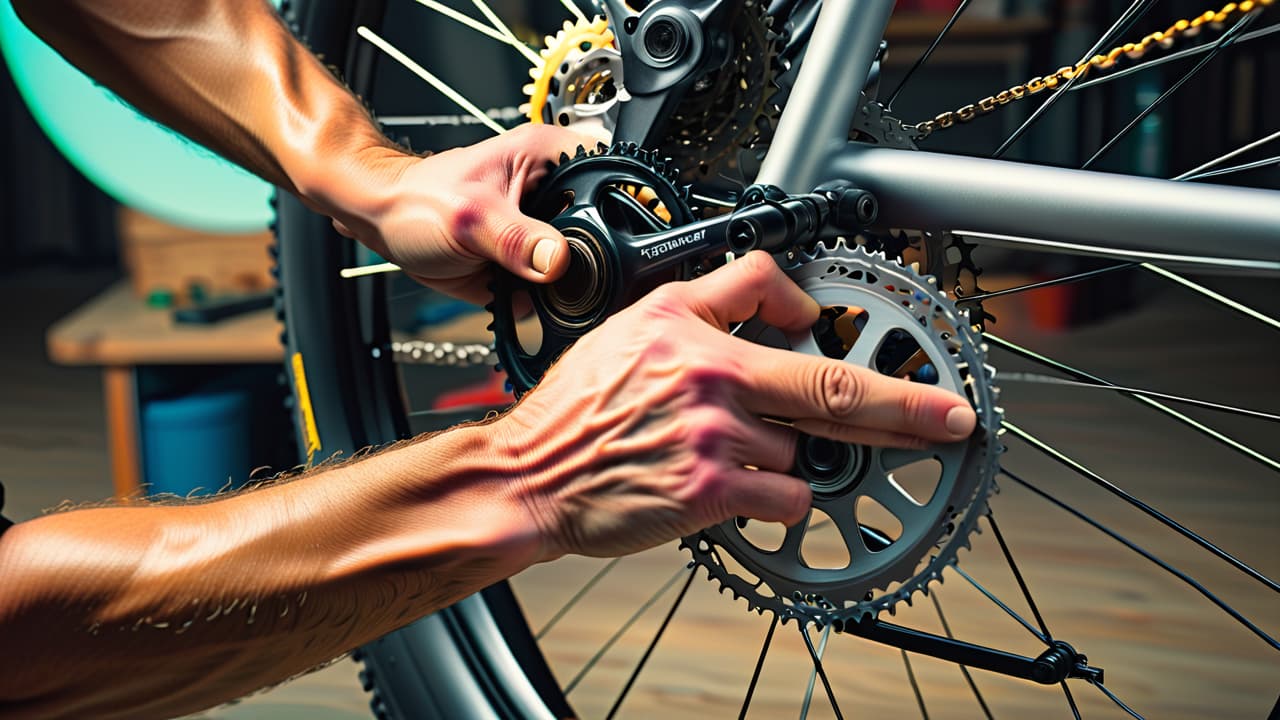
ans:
(482, 659)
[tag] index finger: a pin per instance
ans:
(751, 286)
(840, 401)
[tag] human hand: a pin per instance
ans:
(643, 431)
(445, 217)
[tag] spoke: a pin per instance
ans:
(813, 674)
(915, 686)
(1020, 377)
(625, 627)
(1074, 248)
(1071, 701)
(1165, 520)
(1017, 574)
(573, 10)
(1047, 283)
(363, 270)
(1121, 25)
(964, 670)
(666, 621)
(1154, 404)
(1217, 297)
(501, 27)
(1000, 604)
(1156, 62)
(507, 113)
(924, 57)
(755, 675)
(483, 29)
(817, 668)
(1219, 45)
(1245, 167)
(582, 591)
(1149, 556)
(432, 80)
(1116, 700)
(1190, 174)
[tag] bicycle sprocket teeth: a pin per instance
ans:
(939, 540)
(574, 84)
(733, 109)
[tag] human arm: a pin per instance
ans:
(656, 415)
(229, 74)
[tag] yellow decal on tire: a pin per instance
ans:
(307, 416)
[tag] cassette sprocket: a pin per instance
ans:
(901, 515)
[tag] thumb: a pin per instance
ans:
(527, 247)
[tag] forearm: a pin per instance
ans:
(156, 611)
(226, 73)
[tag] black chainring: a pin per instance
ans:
(598, 200)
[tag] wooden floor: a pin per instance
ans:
(1165, 649)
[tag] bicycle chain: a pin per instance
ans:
(443, 354)
(1103, 61)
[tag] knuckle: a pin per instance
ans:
(758, 269)
(710, 429)
(664, 303)
(509, 242)
(913, 406)
(710, 494)
(842, 390)
(759, 264)
(463, 215)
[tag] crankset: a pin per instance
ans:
(631, 229)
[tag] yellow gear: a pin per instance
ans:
(581, 36)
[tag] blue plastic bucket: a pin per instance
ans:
(196, 443)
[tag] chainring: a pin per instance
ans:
(596, 199)
(881, 315)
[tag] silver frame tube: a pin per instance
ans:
(999, 201)
(1064, 210)
(815, 120)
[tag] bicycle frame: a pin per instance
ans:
(999, 201)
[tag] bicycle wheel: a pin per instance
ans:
(1168, 651)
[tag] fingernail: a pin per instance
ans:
(960, 421)
(543, 253)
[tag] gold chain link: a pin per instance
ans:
(1133, 51)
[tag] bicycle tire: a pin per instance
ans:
(446, 665)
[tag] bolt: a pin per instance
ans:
(664, 39)
(743, 237)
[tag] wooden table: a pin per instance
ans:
(119, 333)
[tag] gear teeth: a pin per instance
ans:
(953, 532)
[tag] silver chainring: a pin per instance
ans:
(892, 309)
